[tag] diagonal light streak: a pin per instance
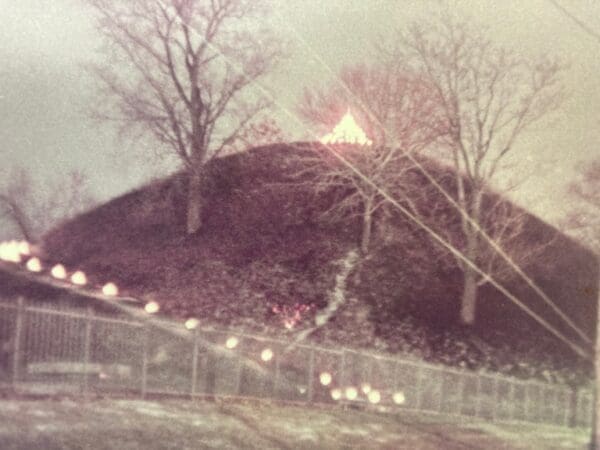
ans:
(457, 253)
(450, 199)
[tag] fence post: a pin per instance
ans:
(461, 394)
(559, 419)
(370, 372)
(311, 375)
(17, 356)
(203, 363)
(478, 398)
(571, 420)
(420, 386)
(343, 369)
(194, 362)
(277, 375)
(566, 398)
(545, 400)
(441, 391)
(395, 377)
(526, 406)
(557, 407)
(145, 337)
(240, 378)
(512, 406)
(495, 398)
(87, 346)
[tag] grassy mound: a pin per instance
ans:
(264, 249)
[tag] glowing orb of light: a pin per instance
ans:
(24, 248)
(192, 323)
(399, 398)
(9, 251)
(374, 396)
(266, 355)
(366, 388)
(110, 289)
(302, 389)
(347, 131)
(336, 394)
(231, 342)
(325, 378)
(79, 278)
(351, 393)
(151, 307)
(59, 272)
(34, 265)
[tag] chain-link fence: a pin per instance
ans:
(83, 351)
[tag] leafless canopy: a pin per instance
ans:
(32, 207)
(489, 96)
(179, 70)
(584, 221)
(399, 113)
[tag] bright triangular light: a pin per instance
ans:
(347, 131)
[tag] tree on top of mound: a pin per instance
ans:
(179, 71)
(489, 96)
(398, 114)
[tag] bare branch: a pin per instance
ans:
(167, 77)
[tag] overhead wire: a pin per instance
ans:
(451, 200)
(234, 64)
(584, 26)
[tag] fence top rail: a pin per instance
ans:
(72, 312)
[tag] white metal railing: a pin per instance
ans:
(117, 354)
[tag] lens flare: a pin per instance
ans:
(374, 396)
(79, 278)
(59, 272)
(336, 394)
(325, 378)
(9, 251)
(351, 393)
(231, 342)
(399, 398)
(266, 355)
(192, 323)
(347, 131)
(34, 265)
(151, 307)
(110, 289)
(24, 248)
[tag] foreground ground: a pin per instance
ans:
(134, 424)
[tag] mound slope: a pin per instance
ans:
(264, 251)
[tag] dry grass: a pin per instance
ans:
(133, 424)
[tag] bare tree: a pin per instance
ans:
(32, 208)
(489, 96)
(13, 199)
(399, 114)
(584, 221)
(178, 71)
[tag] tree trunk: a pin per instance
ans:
(366, 231)
(195, 202)
(468, 300)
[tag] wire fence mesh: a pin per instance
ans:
(84, 351)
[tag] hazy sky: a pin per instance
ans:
(45, 93)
